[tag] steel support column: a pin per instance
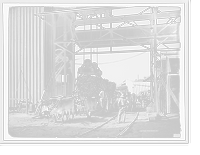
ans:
(72, 65)
(73, 69)
(65, 63)
(53, 56)
(167, 85)
(155, 66)
(151, 56)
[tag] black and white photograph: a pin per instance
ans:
(96, 73)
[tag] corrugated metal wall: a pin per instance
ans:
(25, 43)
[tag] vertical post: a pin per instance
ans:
(168, 95)
(65, 56)
(97, 56)
(73, 68)
(151, 66)
(91, 54)
(90, 48)
(73, 55)
(167, 86)
(111, 36)
(68, 84)
(100, 25)
(27, 106)
(53, 54)
(155, 10)
(65, 75)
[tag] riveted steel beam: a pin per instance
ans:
(117, 19)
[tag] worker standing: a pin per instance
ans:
(107, 102)
(134, 99)
(130, 109)
(123, 102)
(143, 96)
(102, 97)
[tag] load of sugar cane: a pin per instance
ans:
(89, 82)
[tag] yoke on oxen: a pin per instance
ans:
(43, 106)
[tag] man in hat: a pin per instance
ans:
(102, 97)
(130, 102)
(123, 103)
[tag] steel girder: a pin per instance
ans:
(120, 36)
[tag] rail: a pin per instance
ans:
(95, 127)
(115, 136)
(126, 128)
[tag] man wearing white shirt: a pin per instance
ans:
(102, 97)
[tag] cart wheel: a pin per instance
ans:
(64, 118)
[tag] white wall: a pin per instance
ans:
(25, 48)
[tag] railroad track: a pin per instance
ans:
(127, 127)
(111, 128)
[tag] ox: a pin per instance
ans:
(43, 106)
(64, 109)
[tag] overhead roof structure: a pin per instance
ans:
(152, 29)
(108, 36)
(126, 36)
(79, 10)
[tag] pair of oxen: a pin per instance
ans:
(71, 104)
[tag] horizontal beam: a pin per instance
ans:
(75, 10)
(135, 17)
(118, 44)
(125, 51)
(127, 36)
(117, 38)
(145, 29)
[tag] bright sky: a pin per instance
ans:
(124, 66)
(133, 66)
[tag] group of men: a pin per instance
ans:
(106, 100)
(121, 103)
(132, 98)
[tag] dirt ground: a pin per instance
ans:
(165, 128)
(113, 128)
(25, 125)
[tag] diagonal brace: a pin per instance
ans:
(131, 40)
(119, 34)
(43, 20)
(63, 48)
